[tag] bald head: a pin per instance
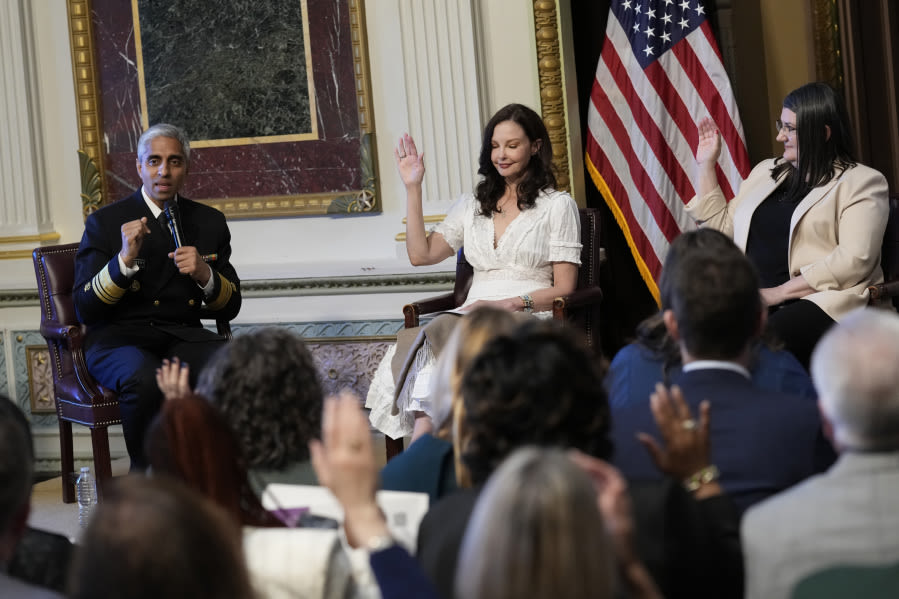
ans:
(855, 368)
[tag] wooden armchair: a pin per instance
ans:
(581, 307)
(889, 259)
(78, 397)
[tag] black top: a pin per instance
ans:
(769, 238)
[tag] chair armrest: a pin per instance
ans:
(224, 329)
(50, 329)
(576, 299)
(882, 291)
(412, 311)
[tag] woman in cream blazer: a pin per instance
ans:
(834, 212)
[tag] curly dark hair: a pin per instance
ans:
(539, 174)
(540, 386)
(266, 385)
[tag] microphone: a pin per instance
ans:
(172, 217)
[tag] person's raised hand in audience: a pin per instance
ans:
(685, 451)
(344, 462)
(173, 378)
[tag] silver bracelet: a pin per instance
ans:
(528, 303)
(380, 543)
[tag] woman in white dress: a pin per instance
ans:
(521, 236)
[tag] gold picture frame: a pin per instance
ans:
(103, 66)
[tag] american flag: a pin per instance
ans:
(659, 72)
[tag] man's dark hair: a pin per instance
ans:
(266, 386)
(714, 295)
(16, 461)
(537, 386)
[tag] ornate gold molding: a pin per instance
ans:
(826, 39)
(54, 236)
(87, 94)
(552, 97)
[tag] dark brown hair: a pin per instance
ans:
(539, 172)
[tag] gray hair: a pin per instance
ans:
(855, 368)
(16, 461)
(162, 130)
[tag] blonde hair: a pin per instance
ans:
(465, 342)
(536, 531)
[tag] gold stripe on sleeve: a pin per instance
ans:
(107, 291)
(224, 296)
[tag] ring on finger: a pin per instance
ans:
(689, 424)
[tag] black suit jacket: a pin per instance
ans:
(157, 293)
(691, 548)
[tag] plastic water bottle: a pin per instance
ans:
(86, 489)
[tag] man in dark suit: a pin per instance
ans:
(762, 441)
(140, 295)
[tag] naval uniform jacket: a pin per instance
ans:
(157, 294)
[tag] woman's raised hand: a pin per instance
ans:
(173, 379)
(709, 147)
(408, 161)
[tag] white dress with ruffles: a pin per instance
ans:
(522, 262)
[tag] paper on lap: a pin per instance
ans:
(404, 510)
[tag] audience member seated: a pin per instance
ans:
(42, 558)
(345, 463)
(537, 531)
(811, 221)
(762, 441)
(655, 357)
(191, 441)
(846, 516)
(16, 470)
(429, 464)
(540, 386)
(153, 538)
(266, 386)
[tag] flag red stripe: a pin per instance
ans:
(619, 198)
(645, 186)
(649, 127)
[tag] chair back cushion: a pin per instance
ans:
(588, 273)
(464, 277)
(78, 397)
(55, 270)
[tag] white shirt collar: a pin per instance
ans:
(719, 364)
(156, 210)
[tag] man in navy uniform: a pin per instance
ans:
(140, 295)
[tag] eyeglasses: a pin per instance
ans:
(785, 128)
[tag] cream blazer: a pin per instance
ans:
(835, 234)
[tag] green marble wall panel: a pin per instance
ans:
(226, 69)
